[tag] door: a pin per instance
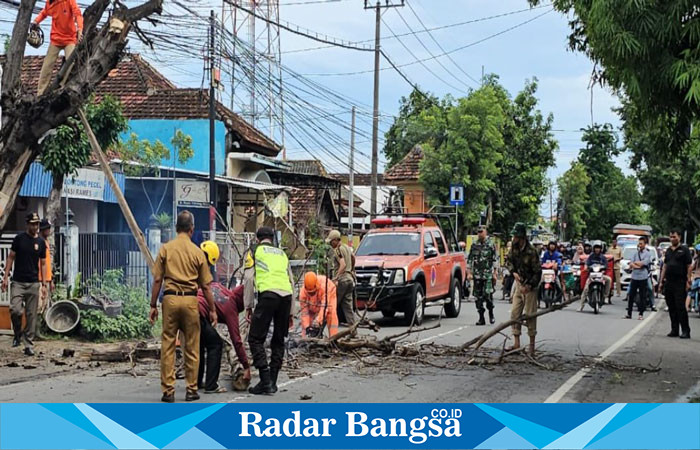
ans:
(430, 267)
(444, 265)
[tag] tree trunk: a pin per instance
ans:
(53, 213)
(26, 119)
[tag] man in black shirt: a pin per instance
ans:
(26, 260)
(675, 278)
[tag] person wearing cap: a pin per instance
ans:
(268, 275)
(481, 268)
(524, 264)
(318, 301)
(344, 277)
(26, 261)
(181, 269)
(228, 305)
(45, 232)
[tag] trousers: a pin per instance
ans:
(482, 295)
(25, 299)
(270, 308)
(346, 300)
(524, 304)
(179, 313)
(641, 288)
(675, 293)
(47, 65)
(210, 348)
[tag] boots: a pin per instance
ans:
(273, 379)
(481, 321)
(17, 329)
(492, 319)
(265, 385)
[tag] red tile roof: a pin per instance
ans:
(360, 179)
(408, 169)
(305, 204)
(146, 94)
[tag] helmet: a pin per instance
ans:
(211, 250)
(36, 36)
(697, 248)
(310, 282)
(597, 244)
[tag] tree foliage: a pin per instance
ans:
(145, 157)
(573, 200)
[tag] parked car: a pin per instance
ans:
(407, 264)
(626, 271)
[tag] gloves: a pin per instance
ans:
(34, 26)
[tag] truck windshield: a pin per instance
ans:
(389, 244)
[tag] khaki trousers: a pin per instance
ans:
(47, 66)
(618, 281)
(524, 303)
(25, 299)
(179, 313)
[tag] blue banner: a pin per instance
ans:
(346, 426)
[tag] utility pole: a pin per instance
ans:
(351, 181)
(212, 124)
(375, 119)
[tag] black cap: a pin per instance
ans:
(33, 218)
(265, 233)
(44, 224)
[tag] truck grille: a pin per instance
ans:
(365, 274)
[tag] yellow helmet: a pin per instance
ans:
(211, 250)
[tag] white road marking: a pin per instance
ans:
(437, 336)
(578, 376)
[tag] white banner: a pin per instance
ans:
(87, 184)
(192, 193)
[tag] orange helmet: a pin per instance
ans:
(310, 282)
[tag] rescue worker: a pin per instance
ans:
(26, 262)
(228, 305)
(318, 301)
(616, 253)
(481, 269)
(344, 277)
(269, 275)
(181, 269)
(596, 257)
(524, 264)
(66, 32)
(45, 232)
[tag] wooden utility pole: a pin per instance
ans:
(375, 116)
(212, 124)
(104, 164)
(351, 179)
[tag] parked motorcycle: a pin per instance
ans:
(596, 288)
(549, 292)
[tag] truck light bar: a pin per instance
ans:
(399, 221)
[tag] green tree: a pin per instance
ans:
(422, 120)
(470, 154)
(573, 200)
(648, 51)
(67, 149)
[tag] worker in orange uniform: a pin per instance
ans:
(45, 232)
(318, 300)
(66, 33)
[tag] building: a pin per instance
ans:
(405, 175)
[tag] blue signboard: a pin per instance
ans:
(456, 194)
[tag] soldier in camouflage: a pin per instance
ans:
(480, 269)
(524, 264)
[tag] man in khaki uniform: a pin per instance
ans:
(616, 253)
(344, 277)
(182, 268)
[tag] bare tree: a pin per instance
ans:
(27, 118)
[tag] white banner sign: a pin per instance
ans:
(87, 184)
(192, 193)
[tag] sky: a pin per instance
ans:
(535, 49)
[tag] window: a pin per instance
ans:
(428, 240)
(389, 244)
(440, 242)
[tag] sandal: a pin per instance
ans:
(640, 318)
(219, 390)
(627, 317)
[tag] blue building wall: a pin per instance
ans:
(198, 129)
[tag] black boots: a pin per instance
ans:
(17, 329)
(492, 319)
(273, 379)
(264, 387)
(481, 321)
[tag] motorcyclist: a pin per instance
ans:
(578, 256)
(596, 257)
(587, 248)
(552, 255)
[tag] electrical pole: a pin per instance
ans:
(375, 119)
(212, 125)
(351, 179)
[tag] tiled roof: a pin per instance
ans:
(307, 167)
(360, 179)
(304, 203)
(408, 169)
(146, 94)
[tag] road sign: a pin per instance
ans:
(456, 194)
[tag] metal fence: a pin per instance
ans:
(232, 247)
(100, 252)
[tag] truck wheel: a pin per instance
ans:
(415, 306)
(388, 313)
(453, 308)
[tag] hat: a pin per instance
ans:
(519, 230)
(265, 233)
(33, 218)
(333, 235)
(44, 224)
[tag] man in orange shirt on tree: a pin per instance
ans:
(65, 15)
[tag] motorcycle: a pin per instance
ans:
(596, 288)
(694, 295)
(571, 278)
(550, 292)
(508, 280)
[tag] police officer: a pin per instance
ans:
(181, 268)
(344, 277)
(480, 268)
(268, 274)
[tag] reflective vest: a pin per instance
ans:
(271, 269)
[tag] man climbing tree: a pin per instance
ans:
(65, 15)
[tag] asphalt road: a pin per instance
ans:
(560, 374)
